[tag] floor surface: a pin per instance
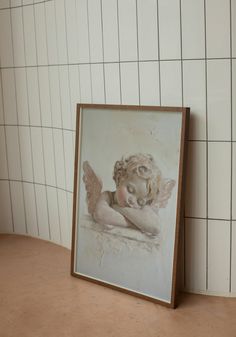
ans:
(38, 297)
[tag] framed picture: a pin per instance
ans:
(128, 197)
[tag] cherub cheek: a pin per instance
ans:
(122, 196)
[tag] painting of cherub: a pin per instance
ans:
(140, 192)
(128, 197)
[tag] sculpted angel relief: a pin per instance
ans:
(141, 191)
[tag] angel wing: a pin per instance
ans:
(165, 190)
(93, 186)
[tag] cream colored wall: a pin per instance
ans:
(159, 52)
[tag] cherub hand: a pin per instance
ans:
(117, 208)
(145, 219)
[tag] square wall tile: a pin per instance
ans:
(218, 256)
(218, 100)
(194, 92)
(195, 255)
(219, 180)
(196, 190)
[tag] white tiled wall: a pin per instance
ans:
(56, 53)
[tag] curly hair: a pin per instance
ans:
(144, 166)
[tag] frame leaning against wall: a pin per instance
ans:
(129, 179)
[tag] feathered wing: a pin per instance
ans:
(93, 186)
(165, 190)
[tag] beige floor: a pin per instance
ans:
(38, 297)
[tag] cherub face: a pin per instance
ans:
(132, 192)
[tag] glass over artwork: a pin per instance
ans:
(127, 197)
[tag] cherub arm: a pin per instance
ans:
(144, 219)
(104, 214)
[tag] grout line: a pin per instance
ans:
(50, 98)
(71, 105)
(39, 126)
(231, 150)
(39, 97)
(67, 55)
(207, 218)
(36, 183)
(207, 187)
(138, 60)
(158, 56)
(26, 5)
(211, 141)
(119, 62)
(17, 119)
(7, 158)
(89, 49)
(182, 102)
(103, 57)
(79, 76)
(62, 135)
(30, 131)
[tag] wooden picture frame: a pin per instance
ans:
(128, 197)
